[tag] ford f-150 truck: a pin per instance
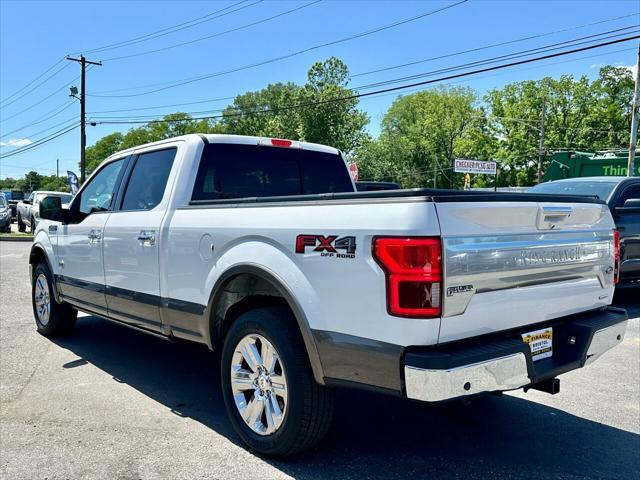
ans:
(262, 249)
(28, 212)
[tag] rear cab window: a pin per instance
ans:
(228, 171)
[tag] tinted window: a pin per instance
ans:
(629, 193)
(97, 195)
(148, 180)
(237, 171)
(3, 202)
(600, 189)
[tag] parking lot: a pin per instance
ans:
(108, 402)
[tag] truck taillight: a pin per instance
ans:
(616, 256)
(413, 267)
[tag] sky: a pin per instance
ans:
(35, 36)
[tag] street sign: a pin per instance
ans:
(353, 170)
(463, 165)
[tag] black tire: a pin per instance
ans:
(62, 316)
(309, 409)
(21, 226)
(32, 224)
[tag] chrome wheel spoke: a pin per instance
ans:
(279, 386)
(241, 380)
(250, 354)
(273, 414)
(269, 357)
(253, 412)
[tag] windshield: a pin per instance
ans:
(64, 197)
(3, 202)
(600, 189)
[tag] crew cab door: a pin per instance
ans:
(132, 240)
(81, 278)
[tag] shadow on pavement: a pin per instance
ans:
(375, 436)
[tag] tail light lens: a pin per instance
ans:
(616, 256)
(413, 267)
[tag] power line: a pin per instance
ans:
(31, 124)
(41, 141)
(446, 70)
(169, 30)
(32, 81)
(242, 27)
(510, 56)
(485, 47)
(35, 86)
(163, 106)
(396, 88)
(283, 57)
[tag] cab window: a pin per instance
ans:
(98, 194)
(148, 180)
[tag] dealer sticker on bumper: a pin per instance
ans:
(540, 342)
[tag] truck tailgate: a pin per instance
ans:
(508, 265)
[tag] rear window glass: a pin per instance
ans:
(600, 189)
(238, 171)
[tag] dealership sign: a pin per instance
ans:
(463, 165)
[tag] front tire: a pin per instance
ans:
(53, 319)
(269, 391)
(21, 226)
(32, 224)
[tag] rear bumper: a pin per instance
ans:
(503, 362)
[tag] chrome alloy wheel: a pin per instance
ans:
(259, 384)
(42, 299)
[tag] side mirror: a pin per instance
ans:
(50, 208)
(631, 205)
(26, 202)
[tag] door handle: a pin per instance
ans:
(95, 236)
(147, 237)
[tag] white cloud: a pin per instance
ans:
(16, 142)
(632, 69)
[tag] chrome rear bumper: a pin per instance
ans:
(507, 365)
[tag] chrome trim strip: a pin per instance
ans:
(504, 373)
(490, 263)
(604, 340)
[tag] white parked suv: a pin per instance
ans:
(263, 249)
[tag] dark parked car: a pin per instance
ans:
(5, 214)
(13, 197)
(622, 194)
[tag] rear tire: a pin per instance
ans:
(21, 226)
(305, 408)
(53, 319)
(32, 224)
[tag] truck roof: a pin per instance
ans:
(237, 139)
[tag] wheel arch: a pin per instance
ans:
(37, 254)
(245, 287)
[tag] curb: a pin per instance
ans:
(16, 239)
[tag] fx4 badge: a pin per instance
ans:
(328, 245)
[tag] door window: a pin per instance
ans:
(148, 180)
(98, 194)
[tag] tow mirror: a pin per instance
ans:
(50, 208)
(631, 205)
(26, 201)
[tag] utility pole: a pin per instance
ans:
(541, 143)
(634, 120)
(83, 137)
(57, 172)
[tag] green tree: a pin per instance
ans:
(309, 113)
(422, 133)
(103, 148)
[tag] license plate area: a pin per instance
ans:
(540, 342)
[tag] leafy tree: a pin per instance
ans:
(421, 135)
(103, 148)
(306, 113)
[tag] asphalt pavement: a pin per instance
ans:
(111, 403)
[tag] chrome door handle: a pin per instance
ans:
(147, 237)
(95, 236)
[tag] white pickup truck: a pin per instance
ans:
(263, 249)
